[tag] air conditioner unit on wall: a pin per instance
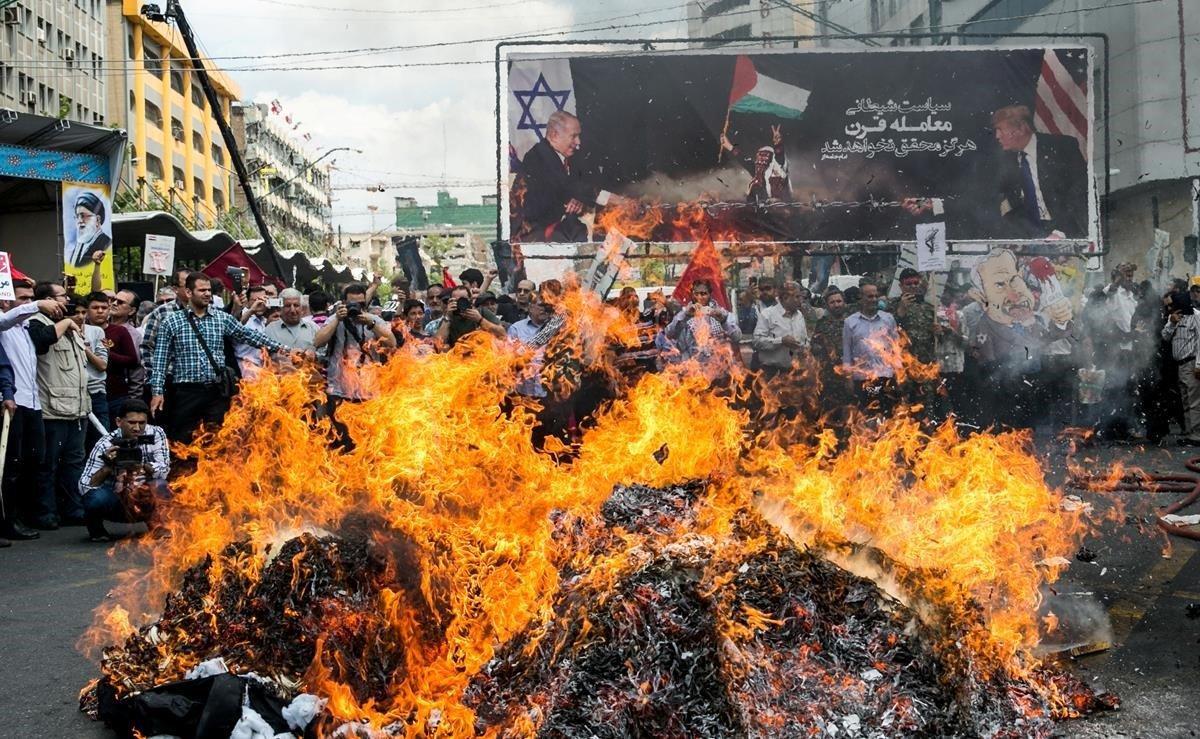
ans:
(31, 98)
(12, 16)
(41, 36)
(69, 55)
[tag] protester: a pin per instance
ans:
(293, 329)
(433, 306)
(126, 473)
(518, 309)
(92, 314)
(867, 337)
(915, 317)
(353, 337)
(188, 378)
(318, 308)
(63, 391)
(27, 435)
(462, 319)
(150, 325)
(781, 334)
(706, 333)
(1182, 330)
(253, 316)
(408, 328)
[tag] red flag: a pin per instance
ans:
(447, 280)
(705, 265)
(236, 256)
(1062, 104)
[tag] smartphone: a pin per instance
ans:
(274, 302)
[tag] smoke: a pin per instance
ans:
(727, 184)
(1077, 617)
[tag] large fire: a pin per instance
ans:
(469, 533)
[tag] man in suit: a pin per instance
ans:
(1042, 178)
(555, 192)
(90, 215)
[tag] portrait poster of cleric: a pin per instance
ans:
(813, 146)
(87, 229)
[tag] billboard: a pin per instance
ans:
(807, 146)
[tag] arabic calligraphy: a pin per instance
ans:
(899, 148)
(875, 134)
(867, 105)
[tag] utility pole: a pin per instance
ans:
(174, 12)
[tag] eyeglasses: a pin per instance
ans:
(524, 290)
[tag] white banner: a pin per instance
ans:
(931, 247)
(159, 255)
(6, 278)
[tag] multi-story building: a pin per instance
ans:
(1153, 126)
(291, 187)
(730, 20)
(178, 159)
(52, 58)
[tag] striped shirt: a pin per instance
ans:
(177, 347)
(157, 455)
(1182, 336)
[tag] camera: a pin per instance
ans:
(462, 305)
(354, 309)
(237, 277)
(129, 451)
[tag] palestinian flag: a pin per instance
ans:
(756, 93)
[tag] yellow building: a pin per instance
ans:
(177, 153)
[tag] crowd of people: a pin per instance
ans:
(96, 386)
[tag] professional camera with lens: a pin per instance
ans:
(129, 451)
(354, 309)
(462, 305)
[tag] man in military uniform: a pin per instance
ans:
(918, 320)
(826, 341)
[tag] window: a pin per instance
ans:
(176, 80)
(154, 114)
(875, 21)
(218, 155)
(198, 141)
(219, 201)
(198, 187)
(151, 59)
(178, 178)
(154, 167)
(132, 100)
(177, 129)
(198, 97)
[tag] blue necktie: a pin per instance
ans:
(1029, 190)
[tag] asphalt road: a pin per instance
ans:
(48, 588)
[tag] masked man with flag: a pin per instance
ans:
(768, 169)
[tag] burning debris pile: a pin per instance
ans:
(657, 630)
(455, 581)
(751, 636)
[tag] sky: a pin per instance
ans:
(414, 124)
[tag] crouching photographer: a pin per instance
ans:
(126, 472)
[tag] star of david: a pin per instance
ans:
(526, 98)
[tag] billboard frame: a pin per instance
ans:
(650, 45)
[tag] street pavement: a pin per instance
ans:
(49, 587)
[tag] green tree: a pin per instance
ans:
(437, 247)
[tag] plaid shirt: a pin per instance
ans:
(177, 346)
(157, 455)
(150, 329)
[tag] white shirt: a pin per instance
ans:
(774, 324)
(1031, 153)
(251, 355)
(93, 336)
(1121, 307)
(14, 335)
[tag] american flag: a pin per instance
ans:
(1062, 102)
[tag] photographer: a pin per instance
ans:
(253, 316)
(353, 337)
(126, 472)
(462, 318)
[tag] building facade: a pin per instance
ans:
(178, 159)
(292, 189)
(730, 20)
(52, 59)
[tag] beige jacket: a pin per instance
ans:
(62, 379)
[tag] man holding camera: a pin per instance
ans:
(253, 316)
(354, 337)
(126, 472)
(462, 317)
